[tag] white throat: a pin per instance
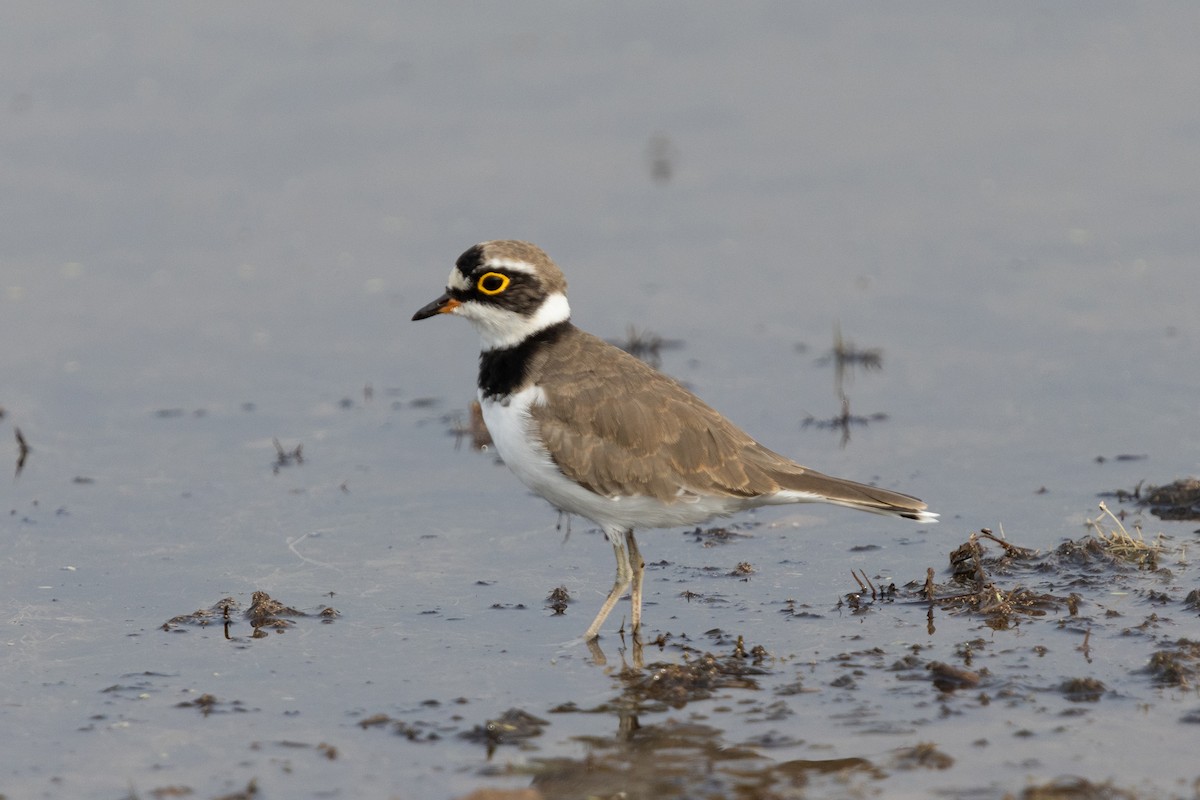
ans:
(500, 329)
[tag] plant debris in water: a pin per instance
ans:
(512, 727)
(1179, 500)
(285, 458)
(1083, 690)
(207, 704)
(1178, 665)
(1119, 544)
(924, 755)
(264, 612)
(845, 357)
(218, 612)
(711, 537)
(949, 678)
(985, 573)
(419, 731)
(1077, 789)
(23, 450)
(977, 570)
(676, 685)
(557, 600)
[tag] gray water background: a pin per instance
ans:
(216, 222)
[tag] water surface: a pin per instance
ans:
(215, 229)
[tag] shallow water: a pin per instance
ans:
(216, 230)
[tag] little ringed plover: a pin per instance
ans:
(601, 434)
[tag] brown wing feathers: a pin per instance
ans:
(633, 431)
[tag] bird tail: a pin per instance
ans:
(814, 487)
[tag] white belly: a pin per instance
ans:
(511, 426)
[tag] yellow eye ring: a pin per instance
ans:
(492, 283)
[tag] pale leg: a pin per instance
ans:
(635, 593)
(620, 583)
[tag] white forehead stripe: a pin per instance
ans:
(459, 281)
(513, 264)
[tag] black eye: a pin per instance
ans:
(491, 283)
